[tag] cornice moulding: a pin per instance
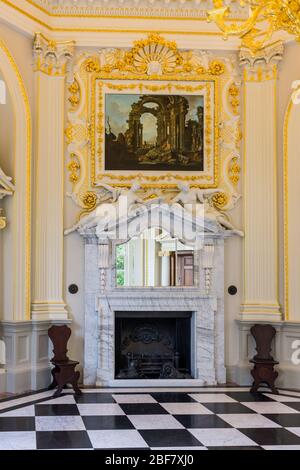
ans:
(180, 9)
(92, 32)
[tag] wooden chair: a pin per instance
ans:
(263, 371)
(64, 371)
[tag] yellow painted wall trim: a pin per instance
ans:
(285, 202)
(24, 95)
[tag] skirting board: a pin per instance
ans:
(27, 379)
(2, 381)
(154, 383)
(27, 355)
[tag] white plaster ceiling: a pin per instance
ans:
(175, 3)
(180, 8)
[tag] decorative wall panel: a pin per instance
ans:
(153, 68)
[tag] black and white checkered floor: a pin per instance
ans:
(185, 419)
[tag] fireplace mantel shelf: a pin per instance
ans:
(185, 299)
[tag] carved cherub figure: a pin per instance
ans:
(191, 197)
(106, 212)
(6, 185)
(188, 195)
(212, 213)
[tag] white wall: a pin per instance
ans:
(7, 136)
(289, 72)
(74, 274)
(21, 47)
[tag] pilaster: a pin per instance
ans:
(51, 65)
(260, 185)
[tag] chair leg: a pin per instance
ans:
(54, 382)
(58, 391)
(65, 375)
(254, 387)
(74, 383)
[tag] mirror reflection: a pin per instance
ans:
(154, 259)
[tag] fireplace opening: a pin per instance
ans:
(153, 345)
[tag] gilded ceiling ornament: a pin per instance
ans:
(143, 9)
(276, 14)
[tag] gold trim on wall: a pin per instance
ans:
(285, 215)
(27, 152)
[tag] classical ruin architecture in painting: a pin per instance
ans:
(154, 132)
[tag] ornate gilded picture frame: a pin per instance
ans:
(190, 94)
(179, 141)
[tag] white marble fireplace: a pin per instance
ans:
(205, 299)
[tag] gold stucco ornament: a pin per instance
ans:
(220, 200)
(74, 91)
(89, 200)
(73, 167)
(275, 15)
(216, 67)
(234, 171)
(234, 93)
(153, 65)
(2, 220)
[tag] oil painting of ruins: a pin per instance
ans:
(154, 132)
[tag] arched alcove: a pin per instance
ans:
(7, 133)
(16, 302)
(291, 208)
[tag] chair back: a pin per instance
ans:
(59, 335)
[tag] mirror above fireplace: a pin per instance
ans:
(154, 259)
